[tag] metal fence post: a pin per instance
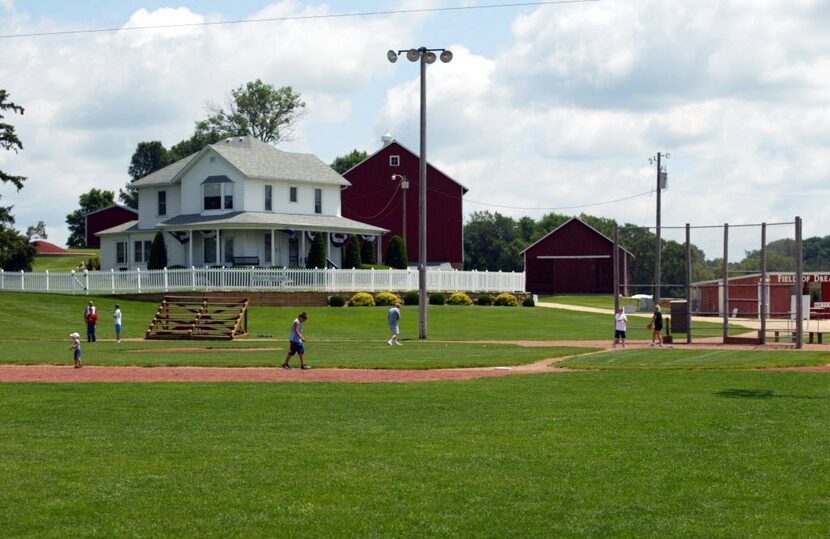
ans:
(725, 282)
(799, 286)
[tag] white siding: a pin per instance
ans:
(108, 252)
(148, 216)
(191, 199)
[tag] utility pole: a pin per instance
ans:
(661, 175)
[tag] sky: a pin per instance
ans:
(543, 108)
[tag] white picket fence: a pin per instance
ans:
(315, 280)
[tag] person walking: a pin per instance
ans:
(76, 349)
(295, 342)
(620, 323)
(393, 317)
(117, 317)
(656, 326)
(91, 321)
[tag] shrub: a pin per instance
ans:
(484, 299)
(436, 298)
(459, 298)
(506, 300)
(386, 298)
(362, 299)
(351, 253)
(396, 253)
(337, 301)
(317, 252)
(158, 253)
(528, 302)
(410, 298)
(368, 253)
(93, 264)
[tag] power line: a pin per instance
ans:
(297, 18)
(562, 207)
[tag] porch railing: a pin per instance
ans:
(314, 280)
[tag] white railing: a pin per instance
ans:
(315, 280)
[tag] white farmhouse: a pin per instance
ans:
(237, 202)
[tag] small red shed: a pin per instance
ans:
(375, 198)
(105, 218)
(574, 259)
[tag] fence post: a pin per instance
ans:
(222, 278)
(372, 278)
(72, 281)
(22, 278)
(112, 279)
(193, 277)
(86, 281)
(165, 278)
(47, 280)
(138, 275)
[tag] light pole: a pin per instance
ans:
(404, 187)
(425, 56)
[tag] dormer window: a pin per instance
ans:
(394, 160)
(217, 193)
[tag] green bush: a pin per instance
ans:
(396, 253)
(93, 264)
(386, 298)
(337, 301)
(368, 252)
(317, 252)
(351, 253)
(484, 299)
(158, 253)
(506, 300)
(459, 298)
(528, 302)
(362, 299)
(410, 298)
(436, 298)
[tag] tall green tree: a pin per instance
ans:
(95, 199)
(257, 109)
(344, 162)
(158, 253)
(351, 255)
(396, 253)
(36, 231)
(16, 252)
(368, 252)
(317, 252)
(147, 158)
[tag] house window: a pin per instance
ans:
(267, 247)
(394, 160)
(162, 202)
(213, 196)
(141, 252)
(318, 201)
(292, 194)
(268, 191)
(228, 187)
(228, 251)
(121, 252)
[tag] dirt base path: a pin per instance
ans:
(68, 374)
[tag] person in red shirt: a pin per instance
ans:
(91, 320)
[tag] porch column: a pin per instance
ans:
(301, 257)
(273, 249)
(379, 246)
(328, 250)
(218, 252)
(190, 250)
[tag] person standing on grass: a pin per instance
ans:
(91, 321)
(76, 349)
(620, 322)
(117, 317)
(295, 342)
(656, 326)
(393, 318)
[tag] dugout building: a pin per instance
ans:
(575, 258)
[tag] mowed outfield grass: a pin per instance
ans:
(662, 358)
(628, 453)
(46, 316)
(598, 301)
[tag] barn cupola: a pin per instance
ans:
(387, 138)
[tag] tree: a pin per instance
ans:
(317, 252)
(492, 242)
(368, 253)
(16, 253)
(158, 253)
(147, 158)
(351, 258)
(256, 109)
(95, 199)
(8, 138)
(344, 162)
(396, 254)
(39, 230)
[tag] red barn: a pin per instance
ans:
(105, 218)
(745, 295)
(574, 259)
(375, 198)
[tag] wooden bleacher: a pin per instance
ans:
(199, 318)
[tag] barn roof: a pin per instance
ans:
(125, 208)
(583, 223)
(414, 154)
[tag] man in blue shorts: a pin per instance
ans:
(393, 318)
(295, 342)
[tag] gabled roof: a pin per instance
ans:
(129, 226)
(414, 154)
(253, 159)
(552, 232)
(125, 208)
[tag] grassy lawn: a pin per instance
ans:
(599, 301)
(696, 359)
(45, 316)
(64, 263)
(634, 453)
(363, 354)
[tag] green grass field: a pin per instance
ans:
(65, 263)
(647, 454)
(599, 301)
(649, 359)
